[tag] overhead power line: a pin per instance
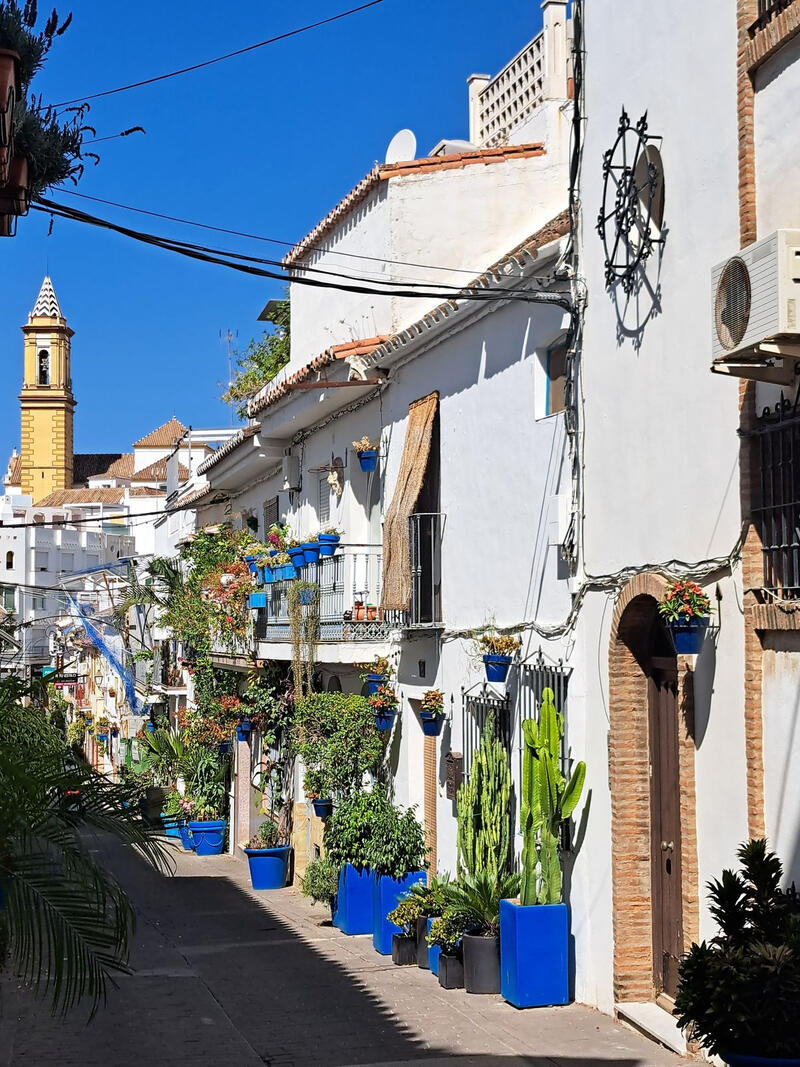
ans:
(246, 265)
(220, 59)
(133, 515)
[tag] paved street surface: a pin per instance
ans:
(227, 976)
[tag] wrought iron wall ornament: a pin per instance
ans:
(630, 220)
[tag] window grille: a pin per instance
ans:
(479, 707)
(776, 510)
(535, 676)
(271, 515)
(324, 509)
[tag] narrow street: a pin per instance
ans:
(224, 975)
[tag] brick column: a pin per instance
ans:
(429, 805)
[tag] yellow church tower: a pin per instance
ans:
(46, 400)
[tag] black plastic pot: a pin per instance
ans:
(451, 972)
(404, 950)
(481, 963)
(422, 943)
(151, 805)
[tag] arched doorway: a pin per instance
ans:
(651, 774)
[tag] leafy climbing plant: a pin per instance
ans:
(261, 361)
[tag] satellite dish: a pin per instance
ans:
(402, 147)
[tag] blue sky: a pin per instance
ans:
(266, 143)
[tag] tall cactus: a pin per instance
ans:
(548, 800)
(484, 832)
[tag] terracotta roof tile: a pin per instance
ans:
(81, 496)
(122, 467)
(146, 490)
(163, 436)
(157, 472)
(14, 474)
(386, 171)
(329, 356)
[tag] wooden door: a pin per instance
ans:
(665, 828)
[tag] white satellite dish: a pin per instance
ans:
(402, 147)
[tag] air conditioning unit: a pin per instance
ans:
(756, 302)
(291, 473)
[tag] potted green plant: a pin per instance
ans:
(318, 789)
(431, 712)
(328, 541)
(320, 882)
(404, 943)
(534, 931)
(685, 608)
(268, 855)
(367, 452)
(497, 651)
(445, 936)
(347, 843)
(311, 549)
(306, 591)
(423, 902)
(376, 673)
(101, 728)
(384, 704)
(738, 994)
(477, 898)
(396, 855)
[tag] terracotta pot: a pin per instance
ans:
(372, 613)
(14, 194)
(359, 612)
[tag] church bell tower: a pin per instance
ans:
(46, 400)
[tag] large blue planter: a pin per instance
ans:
(209, 836)
(374, 681)
(286, 573)
(496, 667)
(688, 637)
(310, 551)
(297, 556)
(268, 575)
(368, 459)
(757, 1061)
(185, 835)
(257, 600)
(328, 544)
(252, 564)
(386, 893)
(434, 952)
(534, 954)
(353, 909)
(269, 867)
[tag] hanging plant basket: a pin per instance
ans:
(384, 720)
(368, 460)
(243, 730)
(328, 544)
(298, 556)
(311, 551)
(432, 725)
(252, 564)
(305, 596)
(688, 635)
(374, 681)
(497, 667)
(323, 807)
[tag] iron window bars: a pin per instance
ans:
(767, 10)
(776, 510)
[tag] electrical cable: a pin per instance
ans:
(220, 59)
(202, 254)
(49, 523)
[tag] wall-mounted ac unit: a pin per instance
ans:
(291, 473)
(756, 303)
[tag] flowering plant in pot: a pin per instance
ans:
(536, 928)
(367, 452)
(498, 651)
(431, 712)
(101, 728)
(311, 548)
(384, 704)
(328, 540)
(294, 548)
(375, 673)
(685, 608)
(268, 854)
(477, 898)
(738, 994)
(278, 536)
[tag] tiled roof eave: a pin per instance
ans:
(245, 434)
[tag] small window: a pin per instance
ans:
(9, 561)
(7, 598)
(44, 367)
(41, 560)
(271, 515)
(324, 509)
(68, 562)
(39, 603)
(92, 559)
(556, 377)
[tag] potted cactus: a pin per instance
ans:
(534, 931)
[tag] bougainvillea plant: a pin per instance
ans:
(683, 602)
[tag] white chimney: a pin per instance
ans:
(554, 17)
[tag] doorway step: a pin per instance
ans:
(654, 1022)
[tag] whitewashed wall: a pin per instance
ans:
(777, 145)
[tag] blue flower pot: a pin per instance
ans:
(368, 459)
(102, 737)
(327, 544)
(224, 748)
(353, 908)
(311, 551)
(170, 824)
(273, 552)
(287, 572)
(434, 952)
(268, 575)
(269, 867)
(757, 1061)
(496, 667)
(305, 596)
(432, 725)
(151, 727)
(374, 681)
(298, 556)
(257, 600)
(384, 721)
(185, 835)
(209, 836)
(688, 637)
(243, 730)
(322, 808)
(252, 564)
(534, 954)
(386, 893)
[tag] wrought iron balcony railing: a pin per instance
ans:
(767, 10)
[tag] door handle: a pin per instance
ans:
(667, 846)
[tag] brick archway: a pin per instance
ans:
(629, 779)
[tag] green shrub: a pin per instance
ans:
(447, 931)
(397, 842)
(348, 832)
(321, 880)
(336, 738)
(476, 897)
(266, 836)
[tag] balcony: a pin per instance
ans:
(767, 11)
(350, 591)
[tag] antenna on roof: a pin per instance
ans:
(402, 147)
(228, 338)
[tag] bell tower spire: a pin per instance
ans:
(46, 400)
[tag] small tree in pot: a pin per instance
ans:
(738, 994)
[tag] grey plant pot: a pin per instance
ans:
(404, 950)
(481, 963)
(422, 943)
